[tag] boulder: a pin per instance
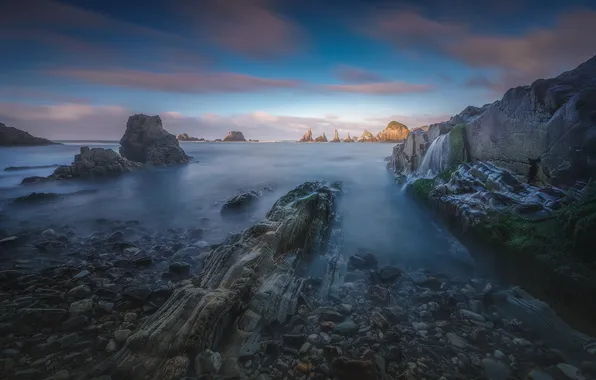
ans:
(336, 137)
(321, 138)
(96, 162)
(146, 141)
(367, 137)
(548, 127)
(234, 136)
(394, 132)
(250, 277)
(10, 136)
(240, 204)
(307, 136)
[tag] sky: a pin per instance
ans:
(77, 69)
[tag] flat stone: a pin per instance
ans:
(81, 274)
(68, 340)
(137, 293)
(471, 315)
(62, 375)
(74, 322)
(120, 336)
(106, 307)
(29, 373)
(82, 306)
(346, 328)
(456, 340)
(81, 291)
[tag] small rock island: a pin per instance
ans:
(234, 136)
(10, 136)
(186, 137)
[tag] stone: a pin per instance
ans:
(208, 362)
(345, 328)
(388, 274)
(48, 234)
(111, 346)
(240, 204)
(305, 348)
(7, 365)
(120, 336)
(456, 340)
(180, 268)
(81, 291)
(352, 369)
(495, 370)
(146, 141)
(332, 315)
(137, 293)
(130, 317)
(471, 315)
(95, 162)
(234, 136)
(29, 373)
(81, 307)
(345, 308)
(106, 307)
(307, 136)
(75, 322)
(68, 340)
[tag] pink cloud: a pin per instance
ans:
(178, 82)
(380, 88)
(353, 74)
(252, 28)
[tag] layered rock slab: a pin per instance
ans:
(246, 282)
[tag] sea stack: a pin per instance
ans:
(394, 132)
(321, 138)
(336, 137)
(146, 141)
(307, 136)
(348, 139)
(234, 136)
(10, 136)
(367, 137)
(186, 137)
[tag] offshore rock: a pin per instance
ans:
(394, 132)
(240, 204)
(336, 137)
(348, 139)
(307, 136)
(186, 137)
(367, 137)
(234, 136)
(321, 138)
(251, 277)
(146, 141)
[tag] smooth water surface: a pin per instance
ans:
(375, 214)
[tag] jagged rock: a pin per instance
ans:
(241, 204)
(367, 137)
(407, 155)
(10, 136)
(394, 132)
(95, 162)
(234, 136)
(336, 137)
(186, 137)
(146, 141)
(321, 138)
(549, 124)
(242, 279)
(307, 136)
(348, 139)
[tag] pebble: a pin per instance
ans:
(82, 306)
(130, 317)
(62, 375)
(106, 307)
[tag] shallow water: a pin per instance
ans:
(375, 214)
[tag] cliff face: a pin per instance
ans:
(307, 136)
(367, 137)
(10, 136)
(234, 136)
(336, 137)
(321, 138)
(394, 132)
(549, 125)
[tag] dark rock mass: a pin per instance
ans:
(186, 137)
(394, 132)
(10, 136)
(307, 136)
(146, 141)
(234, 136)
(321, 138)
(336, 137)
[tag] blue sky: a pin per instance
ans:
(272, 68)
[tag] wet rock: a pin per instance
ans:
(456, 340)
(387, 275)
(537, 374)
(48, 234)
(333, 316)
(471, 315)
(81, 307)
(378, 294)
(75, 322)
(345, 309)
(352, 369)
(68, 340)
(137, 293)
(207, 362)
(240, 204)
(106, 307)
(294, 340)
(362, 261)
(345, 328)
(120, 336)
(81, 274)
(111, 346)
(81, 291)
(495, 370)
(180, 268)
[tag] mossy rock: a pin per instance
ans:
(421, 188)
(457, 145)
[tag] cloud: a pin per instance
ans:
(353, 74)
(518, 60)
(252, 28)
(178, 82)
(380, 88)
(84, 121)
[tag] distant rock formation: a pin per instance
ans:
(10, 136)
(348, 139)
(96, 162)
(234, 136)
(307, 136)
(250, 140)
(321, 138)
(336, 137)
(394, 132)
(367, 137)
(186, 137)
(146, 141)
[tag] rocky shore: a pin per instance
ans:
(129, 302)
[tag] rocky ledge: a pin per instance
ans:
(10, 136)
(234, 136)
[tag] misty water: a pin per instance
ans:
(376, 216)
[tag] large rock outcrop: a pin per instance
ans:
(336, 137)
(186, 137)
(307, 136)
(146, 141)
(394, 132)
(348, 139)
(10, 136)
(321, 138)
(247, 284)
(407, 155)
(367, 137)
(234, 136)
(550, 124)
(94, 162)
